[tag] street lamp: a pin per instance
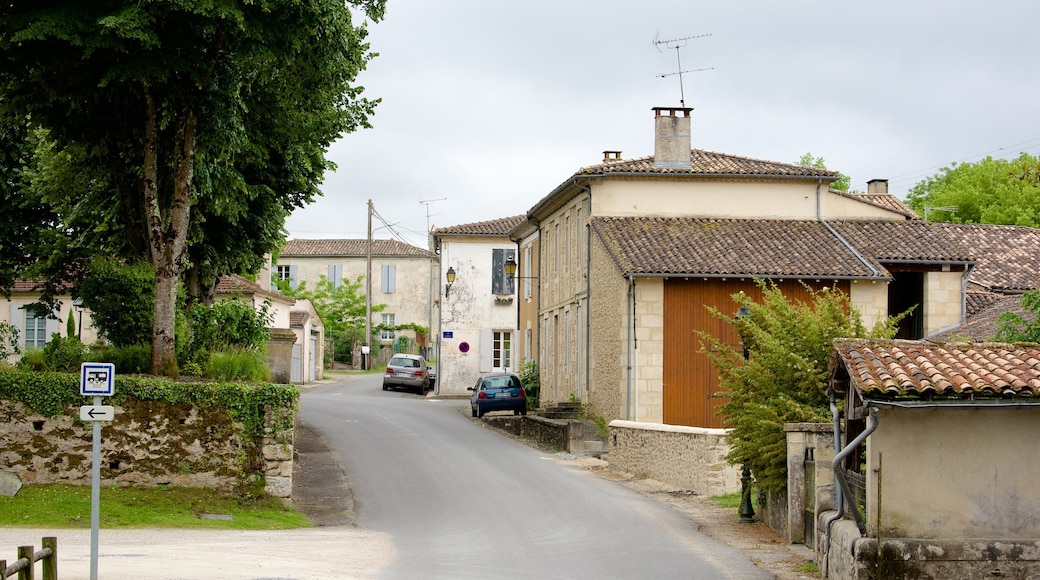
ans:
(78, 305)
(450, 275)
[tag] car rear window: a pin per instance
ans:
(499, 383)
(404, 362)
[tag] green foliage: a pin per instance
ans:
(225, 326)
(342, 310)
(531, 381)
(989, 191)
(33, 359)
(9, 345)
(842, 183)
(121, 299)
(237, 364)
(1017, 328)
(64, 355)
(784, 379)
(134, 359)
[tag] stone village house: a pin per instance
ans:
(625, 257)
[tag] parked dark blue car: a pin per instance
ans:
(498, 392)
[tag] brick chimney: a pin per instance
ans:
(672, 137)
(877, 186)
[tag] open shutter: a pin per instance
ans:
(18, 321)
(335, 276)
(485, 350)
(389, 278)
(292, 277)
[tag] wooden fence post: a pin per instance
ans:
(50, 563)
(26, 552)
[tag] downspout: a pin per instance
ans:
(848, 246)
(628, 343)
(843, 486)
(588, 297)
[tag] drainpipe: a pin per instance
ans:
(843, 486)
(628, 343)
(588, 296)
(848, 246)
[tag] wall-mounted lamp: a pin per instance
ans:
(510, 269)
(451, 279)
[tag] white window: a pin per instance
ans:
(501, 349)
(389, 278)
(35, 330)
(387, 334)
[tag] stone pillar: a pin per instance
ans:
(807, 442)
(279, 355)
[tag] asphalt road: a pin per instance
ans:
(456, 499)
(435, 494)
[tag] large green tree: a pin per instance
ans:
(24, 220)
(342, 308)
(205, 122)
(989, 191)
(843, 183)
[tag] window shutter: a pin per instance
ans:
(486, 349)
(53, 326)
(336, 276)
(292, 277)
(18, 321)
(389, 278)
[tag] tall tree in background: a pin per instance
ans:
(989, 191)
(204, 121)
(842, 183)
(24, 221)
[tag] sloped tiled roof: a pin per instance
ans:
(714, 164)
(356, 248)
(297, 318)
(885, 200)
(894, 368)
(1008, 257)
(235, 284)
(764, 248)
(984, 310)
(498, 227)
(903, 241)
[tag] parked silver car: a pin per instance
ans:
(408, 371)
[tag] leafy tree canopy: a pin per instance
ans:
(200, 125)
(990, 191)
(1017, 328)
(784, 377)
(808, 160)
(342, 309)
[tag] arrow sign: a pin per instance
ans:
(97, 413)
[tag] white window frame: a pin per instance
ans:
(35, 330)
(386, 335)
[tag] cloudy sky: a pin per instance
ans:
(488, 105)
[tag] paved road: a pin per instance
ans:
(459, 500)
(436, 495)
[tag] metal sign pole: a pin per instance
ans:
(95, 496)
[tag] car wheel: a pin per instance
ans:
(516, 412)
(473, 410)
(479, 412)
(523, 412)
(385, 388)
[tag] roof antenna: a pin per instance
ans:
(678, 43)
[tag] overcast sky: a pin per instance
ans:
(488, 105)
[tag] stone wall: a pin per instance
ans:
(691, 458)
(148, 443)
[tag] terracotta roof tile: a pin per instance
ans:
(885, 200)
(975, 301)
(766, 248)
(896, 368)
(714, 164)
(498, 227)
(297, 318)
(1008, 257)
(357, 248)
(235, 284)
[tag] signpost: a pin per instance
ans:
(97, 380)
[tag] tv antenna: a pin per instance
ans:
(678, 43)
(427, 203)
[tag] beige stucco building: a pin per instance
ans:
(402, 278)
(631, 254)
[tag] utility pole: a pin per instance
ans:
(368, 294)
(434, 275)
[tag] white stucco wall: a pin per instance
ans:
(471, 312)
(12, 312)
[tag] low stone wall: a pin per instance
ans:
(691, 458)
(148, 443)
(549, 432)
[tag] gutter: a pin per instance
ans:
(588, 297)
(842, 493)
(631, 311)
(844, 242)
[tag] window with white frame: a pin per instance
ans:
(35, 330)
(387, 333)
(287, 274)
(501, 349)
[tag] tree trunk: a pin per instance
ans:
(167, 229)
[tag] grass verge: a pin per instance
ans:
(68, 506)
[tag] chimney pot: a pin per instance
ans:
(611, 156)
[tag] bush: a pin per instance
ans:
(225, 326)
(121, 300)
(128, 360)
(237, 365)
(33, 360)
(8, 341)
(532, 383)
(64, 355)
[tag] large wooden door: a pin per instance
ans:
(690, 382)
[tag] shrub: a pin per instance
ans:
(33, 360)
(531, 382)
(247, 365)
(121, 300)
(128, 360)
(8, 341)
(64, 355)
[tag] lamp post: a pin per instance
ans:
(450, 275)
(78, 305)
(747, 511)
